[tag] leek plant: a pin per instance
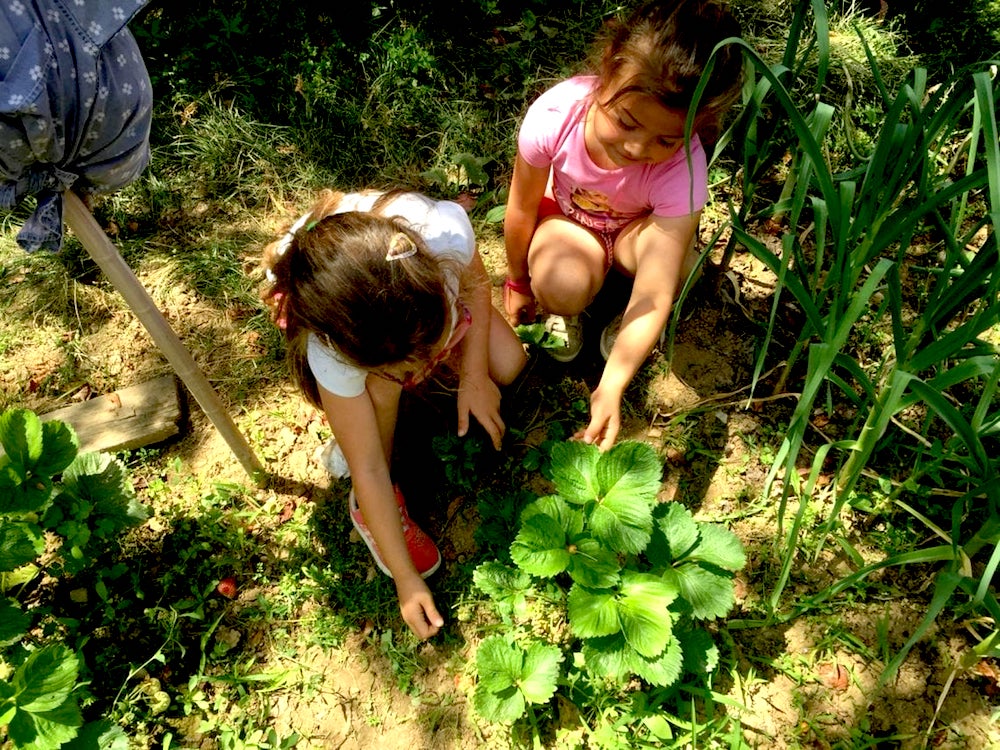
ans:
(845, 258)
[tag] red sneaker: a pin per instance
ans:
(423, 552)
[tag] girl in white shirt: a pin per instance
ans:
(374, 290)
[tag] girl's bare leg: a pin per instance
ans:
(566, 262)
(507, 356)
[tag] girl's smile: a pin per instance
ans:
(634, 129)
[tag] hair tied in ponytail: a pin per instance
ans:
(400, 246)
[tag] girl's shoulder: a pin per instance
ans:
(567, 92)
(362, 201)
(444, 225)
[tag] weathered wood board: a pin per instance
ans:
(126, 419)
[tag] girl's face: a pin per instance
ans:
(634, 129)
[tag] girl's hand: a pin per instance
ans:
(605, 420)
(417, 607)
(481, 398)
(518, 302)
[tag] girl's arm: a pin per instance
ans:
(364, 433)
(477, 393)
(656, 255)
(527, 187)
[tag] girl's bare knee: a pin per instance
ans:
(567, 301)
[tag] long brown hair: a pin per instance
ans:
(333, 278)
(661, 50)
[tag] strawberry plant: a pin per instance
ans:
(606, 580)
(56, 505)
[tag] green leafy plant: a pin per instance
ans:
(535, 334)
(845, 260)
(60, 504)
(511, 677)
(37, 705)
(604, 569)
(459, 456)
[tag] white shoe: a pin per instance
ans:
(610, 333)
(567, 329)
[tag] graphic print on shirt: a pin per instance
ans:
(592, 209)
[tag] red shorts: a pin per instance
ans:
(549, 207)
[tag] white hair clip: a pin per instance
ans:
(400, 246)
(286, 241)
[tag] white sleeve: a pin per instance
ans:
(443, 225)
(333, 373)
(450, 232)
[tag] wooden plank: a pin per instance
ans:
(126, 419)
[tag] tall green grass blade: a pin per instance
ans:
(987, 578)
(958, 424)
(873, 66)
(822, 43)
(941, 553)
(944, 587)
(986, 108)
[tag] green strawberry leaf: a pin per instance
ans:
(674, 535)
(720, 547)
(709, 593)
(510, 677)
(20, 544)
(505, 706)
(498, 662)
(568, 517)
(622, 523)
(540, 547)
(631, 469)
(21, 438)
(45, 730)
(643, 611)
(592, 613)
(592, 564)
(19, 495)
(505, 585)
(14, 623)
(540, 673)
(102, 480)
(574, 471)
(607, 656)
(60, 446)
(701, 655)
(662, 669)
(46, 678)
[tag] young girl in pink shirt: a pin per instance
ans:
(604, 178)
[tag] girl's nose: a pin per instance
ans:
(635, 149)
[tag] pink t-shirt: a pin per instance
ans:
(552, 135)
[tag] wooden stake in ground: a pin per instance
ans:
(93, 238)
